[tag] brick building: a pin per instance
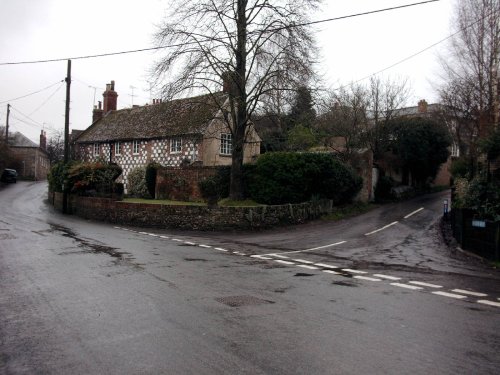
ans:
(29, 159)
(179, 132)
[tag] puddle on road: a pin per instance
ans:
(93, 248)
(302, 274)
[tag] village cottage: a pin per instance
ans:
(190, 131)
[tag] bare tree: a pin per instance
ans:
(356, 113)
(471, 70)
(55, 147)
(256, 45)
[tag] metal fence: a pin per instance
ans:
(481, 237)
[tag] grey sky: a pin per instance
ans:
(43, 29)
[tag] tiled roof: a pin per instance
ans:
(177, 117)
(17, 139)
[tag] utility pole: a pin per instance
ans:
(66, 133)
(132, 87)
(7, 126)
(66, 114)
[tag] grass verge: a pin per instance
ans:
(350, 210)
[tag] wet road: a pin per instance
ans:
(377, 294)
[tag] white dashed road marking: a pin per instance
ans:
(451, 295)
(387, 277)
(205, 246)
(425, 284)
(468, 292)
(189, 243)
(260, 257)
(413, 213)
(221, 249)
(412, 287)
(489, 303)
(353, 271)
(304, 251)
(332, 272)
(381, 229)
(324, 265)
(366, 278)
(283, 261)
(303, 261)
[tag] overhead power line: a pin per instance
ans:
(31, 93)
(211, 38)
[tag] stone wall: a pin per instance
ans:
(192, 217)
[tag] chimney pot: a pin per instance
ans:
(110, 98)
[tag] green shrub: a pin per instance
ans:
(484, 197)
(459, 168)
(216, 187)
(151, 172)
(58, 177)
(287, 177)
(93, 178)
(137, 183)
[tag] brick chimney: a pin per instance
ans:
(43, 140)
(422, 106)
(110, 97)
(97, 112)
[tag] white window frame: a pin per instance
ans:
(226, 144)
(118, 148)
(176, 145)
(455, 151)
(136, 147)
(96, 150)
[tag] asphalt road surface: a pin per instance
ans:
(377, 294)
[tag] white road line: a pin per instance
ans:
(414, 212)
(489, 303)
(387, 277)
(189, 243)
(306, 266)
(283, 261)
(260, 257)
(220, 249)
(164, 237)
(176, 240)
(412, 287)
(324, 265)
(468, 292)
(117, 228)
(303, 261)
(279, 256)
(146, 233)
(332, 272)
(153, 235)
(352, 271)
(381, 229)
(304, 251)
(451, 295)
(205, 246)
(425, 284)
(366, 278)
(238, 253)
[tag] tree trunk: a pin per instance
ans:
(236, 185)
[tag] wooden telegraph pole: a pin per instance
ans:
(66, 132)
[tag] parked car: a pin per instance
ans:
(9, 175)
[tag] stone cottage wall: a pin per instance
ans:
(157, 150)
